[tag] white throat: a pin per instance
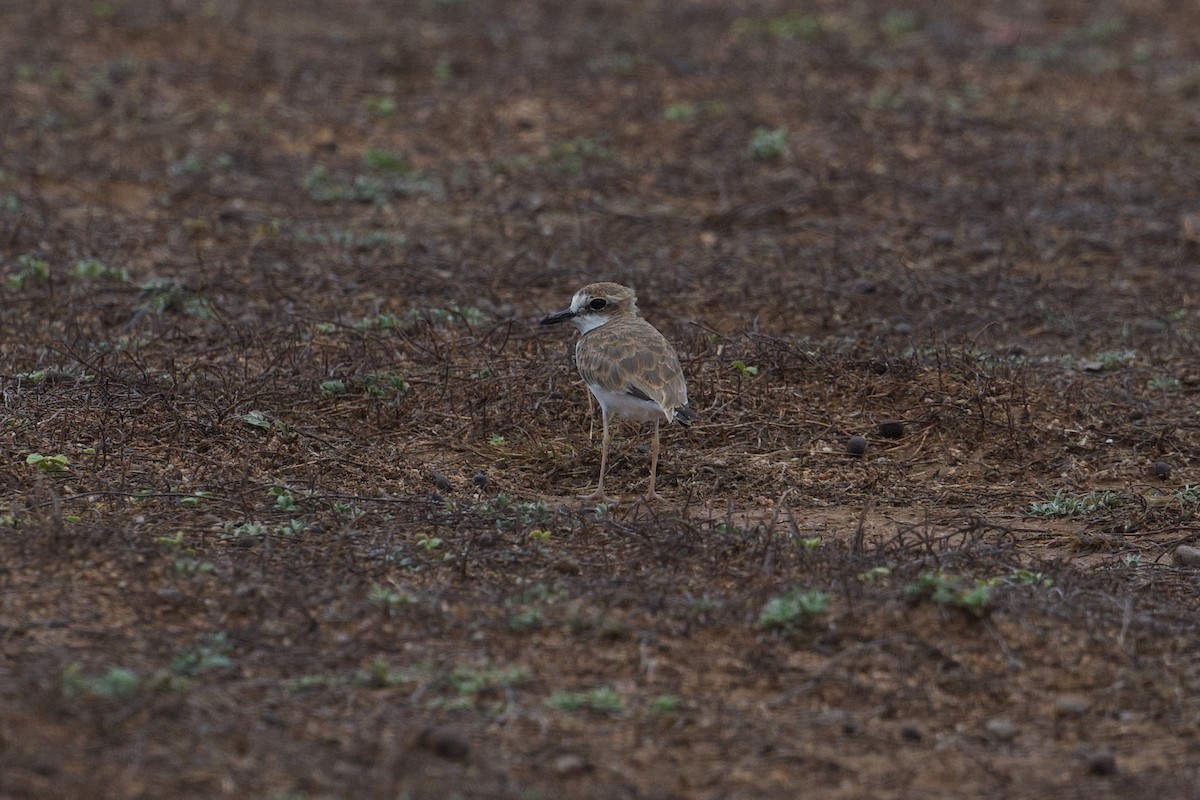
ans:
(585, 321)
(589, 322)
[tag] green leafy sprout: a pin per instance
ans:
(951, 590)
(792, 609)
(52, 465)
(1065, 505)
(112, 685)
(602, 700)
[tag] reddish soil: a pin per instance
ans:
(287, 502)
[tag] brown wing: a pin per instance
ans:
(630, 355)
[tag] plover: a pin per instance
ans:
(630, 368)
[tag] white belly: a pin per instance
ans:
(626, 405)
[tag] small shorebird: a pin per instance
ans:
(629, 366)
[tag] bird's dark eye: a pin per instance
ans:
(598, 304)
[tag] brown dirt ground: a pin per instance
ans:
(271, 278)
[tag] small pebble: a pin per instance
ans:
(1186, 556)
(171, 594)
(1002, 728)
(569, 764)
(1070, 706)
(1160, 469)
(856, 445)
(903, 328)
(892, 429)
(480, 480)
(1102, 762)
(910, 733)
(441, 481)
(445, 743)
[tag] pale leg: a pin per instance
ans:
(652, 495)
(599, 496)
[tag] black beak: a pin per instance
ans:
(559, 316)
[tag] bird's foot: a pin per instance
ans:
(653, 497)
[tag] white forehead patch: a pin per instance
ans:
(584, 320)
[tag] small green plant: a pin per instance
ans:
(386, 596)
(382, 107)
(884, 98)
(29, 270)
(163, 296)
(293, 527)
(682, 111)
(526, 619)
(242, 533)
(570, 157)
(602, 700)
(1025, 577)
(188, 165)
(378, 675)
(53, 375)
(257, 419)
(384, 385)
(284, 499)
(192, 566)
(1113, 359)
(386, 161)
(104, 9)
(1165, 383)
(794, 608)
(768, 144)
(324, 186)
(539, 535)
(950, 590)
(333, 387)
(1189, 494)
(115, 684)
(742, 367)
(52, 465)
(380, 322)
(171, 542)
(811, 542)
(429, 543)
(195, 499)
(485, 678)
(792, 25)
(663, 704)
(874, 573)
(310, 683)
(212, 653)
(443, 68)
(92, 269)
(496, 440)
(347, 509)
(1065, 505)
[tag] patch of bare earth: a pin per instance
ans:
(289, 469)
